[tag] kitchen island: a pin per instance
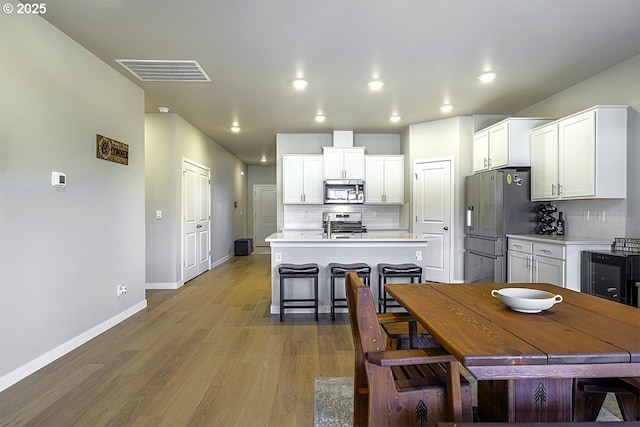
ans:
(371, 248)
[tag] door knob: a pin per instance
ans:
(445, 228)
(199, 226)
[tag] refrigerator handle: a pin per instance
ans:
(470, 217)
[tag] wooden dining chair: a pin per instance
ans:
(400, 387)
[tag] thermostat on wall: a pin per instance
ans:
(58, 179)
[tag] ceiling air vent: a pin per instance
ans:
(164, 70)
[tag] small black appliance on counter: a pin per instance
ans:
(614, 274)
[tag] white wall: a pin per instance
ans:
(64, 251)
(168, 139)
(446, 138)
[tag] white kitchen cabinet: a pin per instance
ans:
(519, 268)
(302, 179)
(535, 262)
(547, 259)
(582, 156)
(384, 180)
(544, 162)
(343, 163)
(504, 144)
(481, 151)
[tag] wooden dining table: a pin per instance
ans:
(526, 363)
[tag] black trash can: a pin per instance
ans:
(243, 247)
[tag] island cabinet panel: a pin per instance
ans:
(302, 179)
(582, 156)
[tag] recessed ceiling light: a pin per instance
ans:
(446, 108)
(235, 128)
(395, 118)
(163, 109)
(487, 77)
(321, 118)
(300, 84)
(264, 159)
(376, 84)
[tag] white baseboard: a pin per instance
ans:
(178, 285)
(175, 285)
(220, 261)
(29, 368)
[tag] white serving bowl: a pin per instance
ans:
(526, 300)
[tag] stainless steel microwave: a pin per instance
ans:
(344, 191)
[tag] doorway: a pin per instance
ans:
(264, 216)
(433, 206)
(196, 216)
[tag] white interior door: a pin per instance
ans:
(264, 213)
(433, 216)
(195, 220)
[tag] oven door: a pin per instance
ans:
(605, 275)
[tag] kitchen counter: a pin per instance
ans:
(549, 259)
(373, 248)
(563, 240)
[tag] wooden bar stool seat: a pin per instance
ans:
(298, 271)
(385, 271)
(338, 270)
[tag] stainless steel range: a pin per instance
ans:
(342, 224)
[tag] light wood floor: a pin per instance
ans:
(208, 354)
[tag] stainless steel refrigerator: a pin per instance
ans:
(497, 203)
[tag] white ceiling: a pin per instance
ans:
(427, 52)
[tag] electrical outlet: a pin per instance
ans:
(585, 216)
(418, 255)
(121, 289)
(602, 216)
(278, 257)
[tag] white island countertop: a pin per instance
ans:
(381, 236)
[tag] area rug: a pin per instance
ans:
(333, 403)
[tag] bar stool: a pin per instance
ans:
(297, 271)
(385, 271)
(338, 270)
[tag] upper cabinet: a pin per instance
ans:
(343, 163)
(302, 179)
(582, 156)
(384, 180)
(505, 144)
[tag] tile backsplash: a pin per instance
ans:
(601, 219)
(373, 216)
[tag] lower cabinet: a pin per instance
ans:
(533, 262)
(547, 260)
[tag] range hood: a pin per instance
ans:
(343, 138)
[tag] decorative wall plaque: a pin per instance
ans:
(112, 150)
